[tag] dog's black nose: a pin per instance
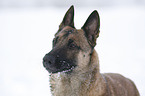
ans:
(48, 61)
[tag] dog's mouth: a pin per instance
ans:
(62, 66)
(65, 70)
(69, 70)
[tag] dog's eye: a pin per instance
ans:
(55, 41)
(71, 44)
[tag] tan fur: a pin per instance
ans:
(79, 74)
(90, 82)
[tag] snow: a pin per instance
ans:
(26, 36)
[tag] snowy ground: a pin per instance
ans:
(26, 35)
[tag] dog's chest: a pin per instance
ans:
(66, 87)
(74, 86)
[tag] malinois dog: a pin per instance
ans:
(73, 63)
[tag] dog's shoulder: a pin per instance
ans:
(120, 85)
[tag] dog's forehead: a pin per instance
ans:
(66, 31)
(70, 32)
(78, 36)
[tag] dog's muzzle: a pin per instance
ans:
(54, 64)
(48, 62)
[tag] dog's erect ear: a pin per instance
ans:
(68, 19)
(91, 28)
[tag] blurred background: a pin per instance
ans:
(27, 28)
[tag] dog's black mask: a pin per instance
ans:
(57, 61)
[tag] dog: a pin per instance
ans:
(73, 63)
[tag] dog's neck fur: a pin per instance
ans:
(86, 83)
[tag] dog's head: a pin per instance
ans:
(72, 48)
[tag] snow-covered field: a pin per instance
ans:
(26, 35)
